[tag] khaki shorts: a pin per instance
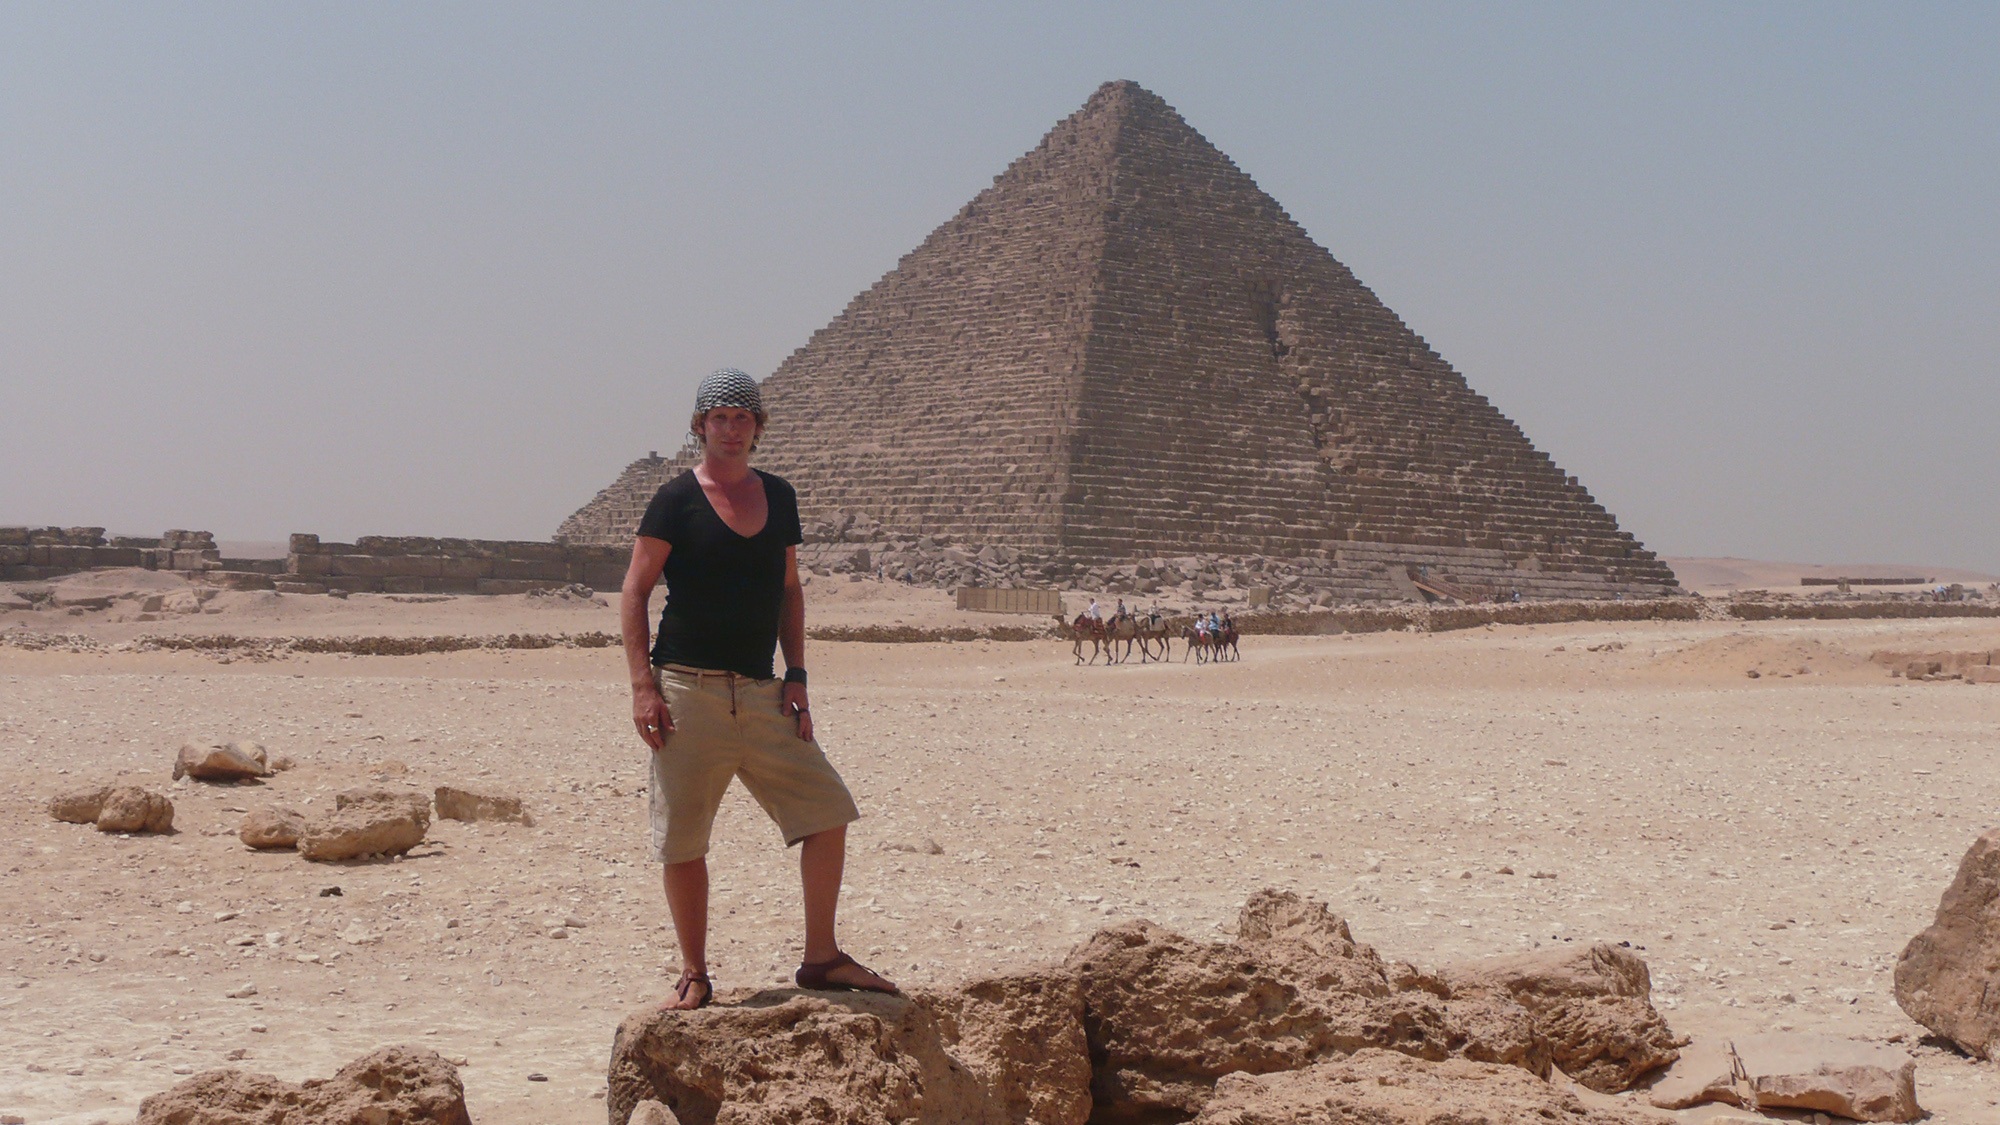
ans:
(726, 726)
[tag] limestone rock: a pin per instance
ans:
(1390, 1088)
(650, 1112)
(1795, 1071)
(1022, 1038)
(973, 1057)
(1167, 1016)
(1592, 1003)
(220, 761)
(80, 807)
(271, 828)
(367, 822)
(389, 1086)
(129, 808)
(463, 804)
(1948, 978)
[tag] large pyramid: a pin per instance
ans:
(1124, 350)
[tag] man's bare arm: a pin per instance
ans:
(792, 641)
(649, 710)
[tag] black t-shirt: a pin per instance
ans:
(724, 591)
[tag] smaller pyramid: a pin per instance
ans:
(1123, 352)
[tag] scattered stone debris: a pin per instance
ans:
(221, 761)
(388, 1086)
(272, 828)
(115, 808)
(1783, 1070)
(1948, 974)
(366, 822)
(463, 804)
(924, 846)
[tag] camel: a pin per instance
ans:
(1086, 628)
(1152, 630)
(1122, 628)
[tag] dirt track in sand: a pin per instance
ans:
(1771, 843)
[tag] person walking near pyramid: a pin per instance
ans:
(704, 697)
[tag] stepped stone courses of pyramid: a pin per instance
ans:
(1124, 350)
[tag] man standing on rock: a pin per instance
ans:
(704, 698)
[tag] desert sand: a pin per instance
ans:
(1769, 844)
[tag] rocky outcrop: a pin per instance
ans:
(389, 1086)
(367, 822)
(1166, 1016)
(1142, 1025)
(1001, 1051)
(1592, 1003)
(221, 761)
(463, 804)
(1390, 1088)
(1862, 1081)
(271, 828)
(650, 1112)
(1948, 978)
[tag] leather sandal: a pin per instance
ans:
(690, 978)
(813, 976)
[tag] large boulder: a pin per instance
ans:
(389, 1086)
(1948, 978)
(1167, 1016)
(1592, 1003)
(1785, 1070)
(220, 761)
(997, 1052)
(366, 822)
(463, 804)
(271, 828)
(129, 808)
(1379, 1087)
(80, 807)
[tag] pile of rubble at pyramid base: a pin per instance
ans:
(1142, 1024)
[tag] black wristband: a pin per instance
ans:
(795, 676)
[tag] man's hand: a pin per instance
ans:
(650, 715)
(792, 701)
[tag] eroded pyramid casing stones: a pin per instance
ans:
(1124, 350)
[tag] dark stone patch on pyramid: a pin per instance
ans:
(1125, 350)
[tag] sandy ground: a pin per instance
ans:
(1771, 844)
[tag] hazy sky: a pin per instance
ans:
(446, 268)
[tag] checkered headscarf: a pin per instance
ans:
(728, 387)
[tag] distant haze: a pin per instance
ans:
(436, 269)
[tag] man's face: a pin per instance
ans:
(730, 430)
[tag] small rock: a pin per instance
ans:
(558, 933)
(329, 892)
(80, 807)
(238, 1053)
(924, 846)
(245, 992)
(220, 761)
(366, 822)
(225, 915)
(271, 828)
(650, 1112)
(129, 808)
(1946, 978)
(463, 804)
(538, 1077)
(1796, 1071)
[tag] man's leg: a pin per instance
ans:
(687, 900)
(822, 857)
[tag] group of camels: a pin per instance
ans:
(1105, 637)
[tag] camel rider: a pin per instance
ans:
(1096, 614)
(1153, 615)
(1119, 614)
(1214, 623)
(1201, 625)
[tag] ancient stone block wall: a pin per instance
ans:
(29, 554)
(416, 565)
